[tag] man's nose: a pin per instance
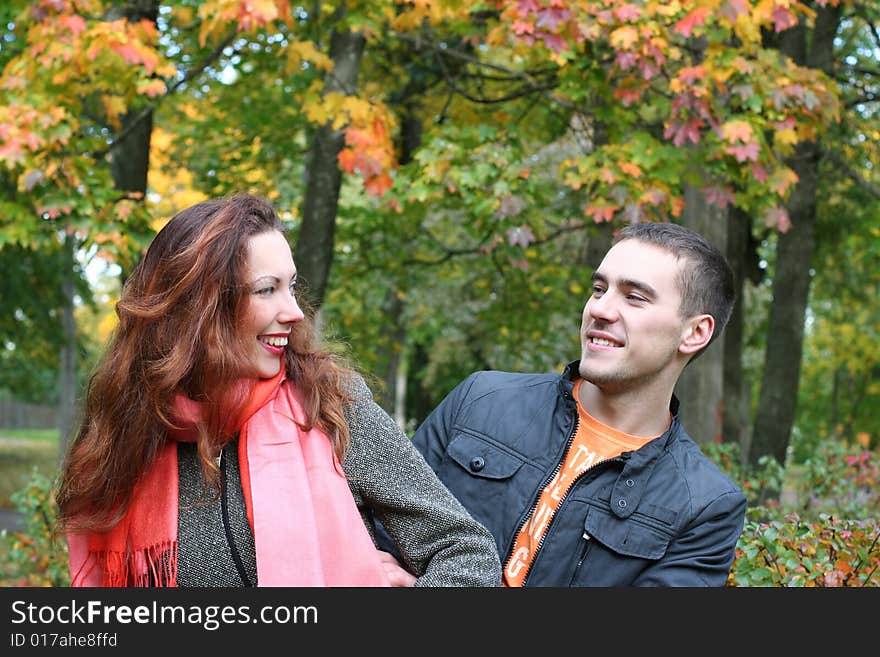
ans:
(603, 308)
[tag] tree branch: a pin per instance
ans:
(838, 161)
(146, 111)
(531, 80)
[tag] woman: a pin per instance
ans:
(214, 428)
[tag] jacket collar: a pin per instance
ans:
(638, 465)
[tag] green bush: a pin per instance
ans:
(791, 552)
(828, 535)
(762, 485)
(35, 556)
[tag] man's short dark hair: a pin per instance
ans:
(705, 280)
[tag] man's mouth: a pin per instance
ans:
(603, 342)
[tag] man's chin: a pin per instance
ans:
(598, 378)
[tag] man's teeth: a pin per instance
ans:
(275, 342)
(603, 342)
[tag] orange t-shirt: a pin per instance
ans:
(593, 442)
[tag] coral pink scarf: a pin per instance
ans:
(306, 526)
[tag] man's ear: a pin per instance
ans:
(698, 330)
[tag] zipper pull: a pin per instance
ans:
(586, 538)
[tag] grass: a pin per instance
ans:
(22, 450)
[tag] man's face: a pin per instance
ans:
(631, 328)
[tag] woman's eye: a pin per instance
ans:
(292, 287)
(265, 291)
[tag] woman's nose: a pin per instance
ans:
(291, 312)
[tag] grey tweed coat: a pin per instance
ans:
(389, 479)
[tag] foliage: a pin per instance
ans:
(829, 552)
(64, 93)
(828, 535)
(761, 484)
(662, 76)
(841, 479)
(30, 328)
(21, 453)
(35, 556)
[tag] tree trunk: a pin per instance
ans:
(777, 403)
(130, 155)
(392, 363)
(736, 416)
(390, 350)
(67, 366)
(701, 384)
(785, 333)
(314, 245)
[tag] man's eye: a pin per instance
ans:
(635, 297)
(598, 290)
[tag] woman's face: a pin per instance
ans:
(272, 309)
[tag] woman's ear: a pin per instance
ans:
(697, 332)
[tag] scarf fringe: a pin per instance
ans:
(151, 566)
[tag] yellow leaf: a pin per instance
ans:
(300, 51)
(114, 106)
(786, 137)
(624, 37)
(747, 30)
(359, 110)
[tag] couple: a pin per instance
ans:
(218, 439)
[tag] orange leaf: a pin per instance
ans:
(346, 159)
(694, 18)
(378, 185)
(631, 169)
(601, 213)
(74, 23)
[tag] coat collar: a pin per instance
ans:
(638, 465)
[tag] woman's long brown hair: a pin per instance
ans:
(178, 332)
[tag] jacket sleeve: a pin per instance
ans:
(703, 553)
(436, 537)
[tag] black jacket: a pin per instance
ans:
(663, 515)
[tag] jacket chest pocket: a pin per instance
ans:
(614, 550)
(482, 459)
(626, 536)
(487, 479)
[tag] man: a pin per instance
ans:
(588, 478)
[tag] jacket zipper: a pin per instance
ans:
(534, 506)
(559, 510)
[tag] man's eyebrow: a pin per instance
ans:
(629, 283)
